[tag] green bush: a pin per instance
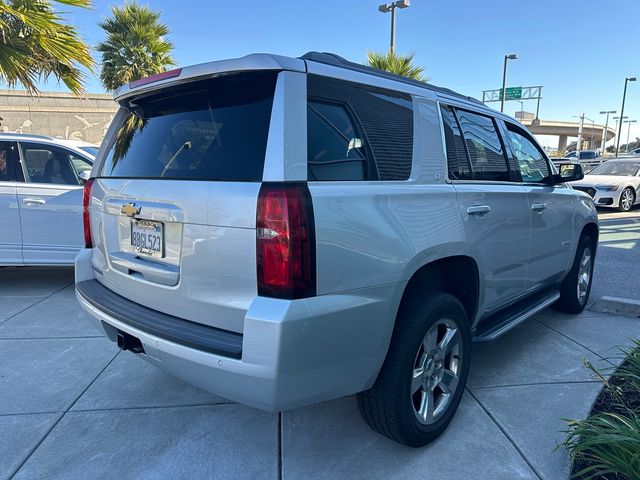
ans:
(607, 444)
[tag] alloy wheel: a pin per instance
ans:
(436, 371)
(584, 275)
(627, 199)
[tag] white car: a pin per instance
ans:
(41, 181)
(615, 184)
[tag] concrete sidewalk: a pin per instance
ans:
(73, 407)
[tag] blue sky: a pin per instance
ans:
(579, 51)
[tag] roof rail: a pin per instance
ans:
(29, 135)
(338, 61)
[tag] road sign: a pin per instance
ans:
(511, 93)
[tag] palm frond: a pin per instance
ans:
(36, 42)
(398, 64)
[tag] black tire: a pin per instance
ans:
(570, 301)
(627, 190)
(389, 407)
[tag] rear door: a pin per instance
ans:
(10, 237)
(494, 207)
(173, 207)
(50, 202)
(551, 211)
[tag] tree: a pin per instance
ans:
(394, 63)
(35, 43)
(135, 46)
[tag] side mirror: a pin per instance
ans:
(84, 176)
(569, 172)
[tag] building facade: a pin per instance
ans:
(57, 114)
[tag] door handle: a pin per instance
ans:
(34, 201)
(538, 207)
(478, 209)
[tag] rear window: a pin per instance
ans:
(208, 130)
(587, 155)
(90, 150)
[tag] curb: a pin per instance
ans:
(626, 307)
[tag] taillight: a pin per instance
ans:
(286, 244)
(86, 220)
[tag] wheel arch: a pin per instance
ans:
(592, 230)
(457, 275)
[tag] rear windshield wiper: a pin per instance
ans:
(185, 146)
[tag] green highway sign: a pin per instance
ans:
(511, 93)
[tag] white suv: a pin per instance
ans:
(285, 231)
(41, 180)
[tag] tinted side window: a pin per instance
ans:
(48, 164)
(382, 119)
(532, 163)
(335, 147)
(485, 150)
(457, 159)
(7, 161)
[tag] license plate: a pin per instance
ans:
(147, 237)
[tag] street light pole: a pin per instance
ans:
(604, 132)
(579, 142)
(618, 118)
(593, 127)
(624, 97)
(392, 48)
(629, 122)
(511, 56)
(391, 7)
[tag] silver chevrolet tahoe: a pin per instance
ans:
(284, 231)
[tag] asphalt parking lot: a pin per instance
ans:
(72, 406)
(618, 256)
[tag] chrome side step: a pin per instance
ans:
(515, 316)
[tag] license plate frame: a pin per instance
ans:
(149, 233)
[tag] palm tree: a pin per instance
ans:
(35, 43)
(394, 63)
(135, 46)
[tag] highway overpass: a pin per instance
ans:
(563, 130)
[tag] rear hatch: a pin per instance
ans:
(173, 215)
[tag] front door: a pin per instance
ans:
(10, 237)
(50, 203)
(550, 209)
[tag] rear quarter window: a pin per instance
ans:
(357, 132)
(212, 129)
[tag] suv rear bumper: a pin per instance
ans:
(293, 353)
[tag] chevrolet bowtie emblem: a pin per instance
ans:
(130, 209)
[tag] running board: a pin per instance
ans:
(514, 316)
